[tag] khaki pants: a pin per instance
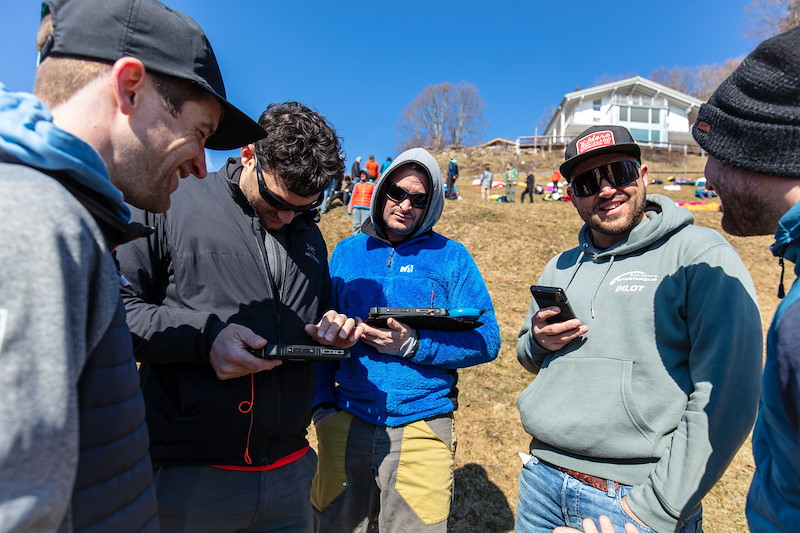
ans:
(400, 477)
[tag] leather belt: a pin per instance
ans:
(593, 481)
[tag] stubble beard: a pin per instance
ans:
(620, 225)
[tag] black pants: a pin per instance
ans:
(451, 188)
(527, 191)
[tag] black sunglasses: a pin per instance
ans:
(618, 174)
(279, 203)
(397, 194)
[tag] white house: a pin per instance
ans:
(655, 114)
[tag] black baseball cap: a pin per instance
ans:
(595, 141)
(166, 41)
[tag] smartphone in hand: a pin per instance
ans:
(553, 297)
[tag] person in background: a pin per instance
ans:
(642, 400)
(355, 170)
(330, 191)
(227, 428)
(372, 168)
(384, 417)
(511, 175)
(343, 193)
(385, 165)
(452, 177)
(529, 188)
(750, 128)
(486, 183)
(555, 179)
(358, 206)
(113, 119)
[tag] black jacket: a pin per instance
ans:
(205, 267)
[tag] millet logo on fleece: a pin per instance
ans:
(597, 139)
(633, 281)
(407, 268)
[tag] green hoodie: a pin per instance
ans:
(662, 390)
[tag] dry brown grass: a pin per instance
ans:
(511, 244)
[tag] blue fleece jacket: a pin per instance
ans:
(773, 503)
(427, 270)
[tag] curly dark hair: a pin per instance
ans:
(301, 148)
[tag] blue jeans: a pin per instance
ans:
(549, 498)
(359, 217)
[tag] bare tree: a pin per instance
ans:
(710, 76)
(770, 17)
(468, 118)
(442, 115)
(700, 81)
(678, 78)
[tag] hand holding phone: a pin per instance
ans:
(553, 297)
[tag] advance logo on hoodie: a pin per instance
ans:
(634, 281)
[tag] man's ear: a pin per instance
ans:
(129, 78)
(248, 156)
(569, 193)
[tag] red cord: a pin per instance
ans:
(247, 407)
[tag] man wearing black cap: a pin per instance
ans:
(751, 129)
(641, 402)
(129, 95)
(237, 261)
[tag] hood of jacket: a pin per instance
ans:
(435, 207)
(788, 231)
(29, 137)
(663, 217)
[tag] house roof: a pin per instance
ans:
(637, 85)
(496, 141)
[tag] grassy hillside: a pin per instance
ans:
(511, 244)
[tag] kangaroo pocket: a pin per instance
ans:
(586, 406)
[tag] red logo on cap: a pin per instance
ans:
(597, 139)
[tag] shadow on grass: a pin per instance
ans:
(479, 506)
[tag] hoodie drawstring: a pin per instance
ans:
(781, 291)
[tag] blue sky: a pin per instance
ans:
(361, 63)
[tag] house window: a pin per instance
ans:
(640, 114)
(623, 114)
(645, 135)
(656, 116)
(596, 105)
(640, 134)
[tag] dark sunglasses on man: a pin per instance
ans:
(618, 174)
(397, 194)
(279, 203)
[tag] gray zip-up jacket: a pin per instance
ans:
(73, 442)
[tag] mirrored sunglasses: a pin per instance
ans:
(618, 174)
(397, 194)
(279, 203)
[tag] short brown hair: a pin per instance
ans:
(59, 78)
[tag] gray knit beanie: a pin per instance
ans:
(752, 121)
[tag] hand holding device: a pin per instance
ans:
(553, 297)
